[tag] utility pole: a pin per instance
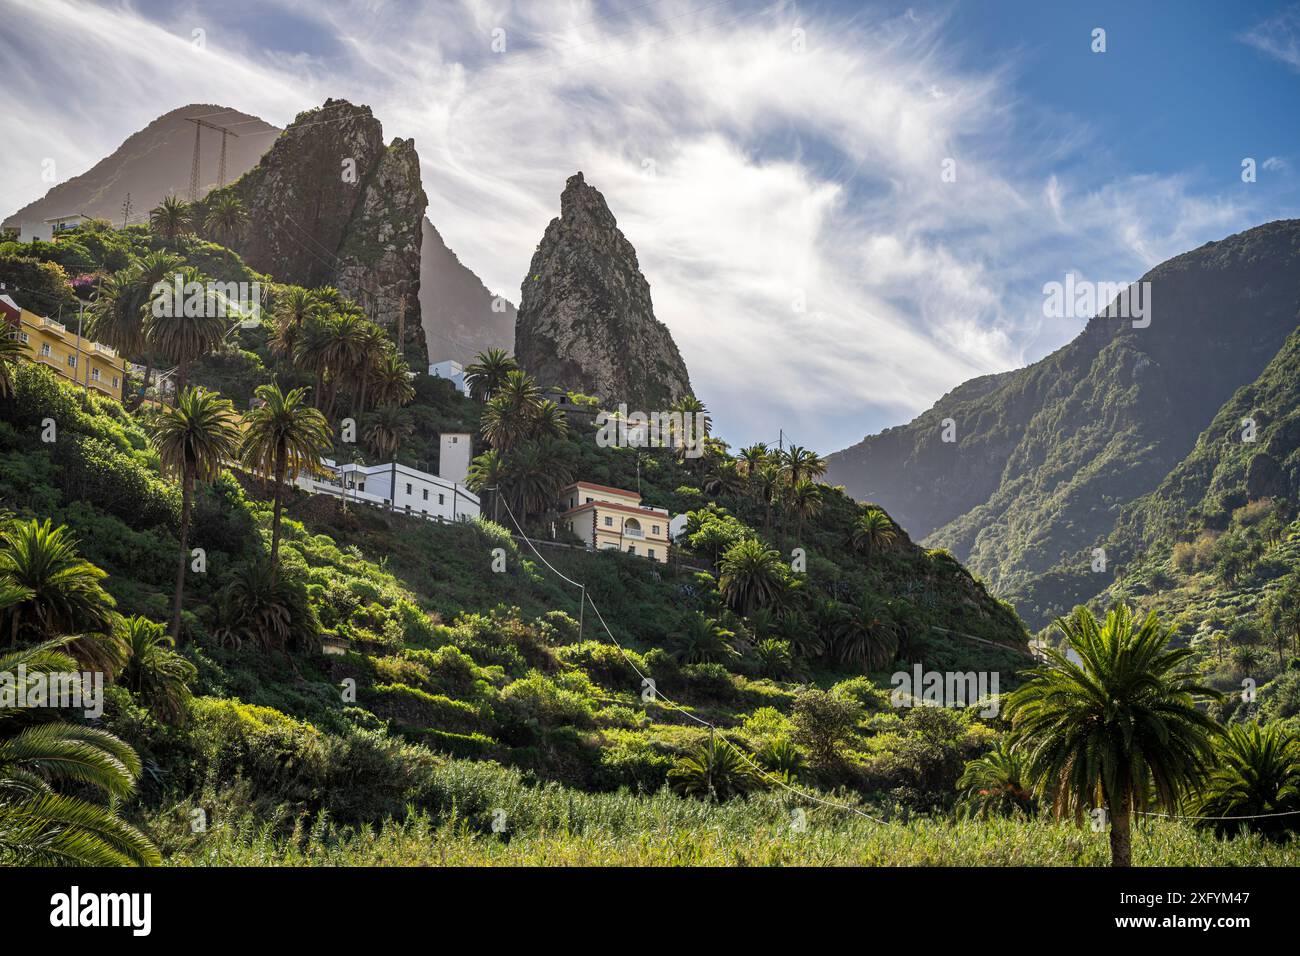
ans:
(194, 163)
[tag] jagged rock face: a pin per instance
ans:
(585, 318)
(379, 265)
(329, 204)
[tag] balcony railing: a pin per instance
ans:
(104, 349)
(56, 326)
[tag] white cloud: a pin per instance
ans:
(1278, 36)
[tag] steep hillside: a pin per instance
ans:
(585, 317)
(154, 163)
(1218, 537)
(461, 317)
(1046, 457)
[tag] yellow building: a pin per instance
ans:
(614, 519)
(77, 359)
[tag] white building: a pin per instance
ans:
(47, 229)
(397, 487)
(454, 372)
(455, 450)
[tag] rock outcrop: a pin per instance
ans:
(585, 317)
(330, 204)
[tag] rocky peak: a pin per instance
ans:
(330, 204)
(586, 321)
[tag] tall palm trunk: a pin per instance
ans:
(275, 517)
(1121, 834)
(182, 377)
(148, 373)
(187, 502)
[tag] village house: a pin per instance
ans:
(87, 363)
(608, 518)
(401, 488)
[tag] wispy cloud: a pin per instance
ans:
(780, 171)
(1278, 36)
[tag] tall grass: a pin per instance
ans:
(553, 826)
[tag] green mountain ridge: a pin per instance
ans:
(1047, 457)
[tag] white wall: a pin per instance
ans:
(454, 454)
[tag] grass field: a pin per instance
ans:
(664, 830)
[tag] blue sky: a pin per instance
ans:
(776, 165)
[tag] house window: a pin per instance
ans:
(94, 375)
(72, 361)
(650, 552)
(442, 499)
(425, 492)
(408, 487)
(654, 528)
(631, 549)
(609, 522)
(115, 381)
(361, 487)
(455, 439)
(45, 348)
(23, 337)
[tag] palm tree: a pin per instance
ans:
(194, 438)
(724, 478)
(154, 672)
(997, 784)
(380, 358)
(872, 530)
(805, 501)
(117, 316)
(226, 218)
(390, 381)
(183, 335)
(295, 307)
(699, 639)
(12, 351)
(866, 636)
(799, 463)
(713, 771)
(535, 473)
(766, 486)
(753, 576)
(60, 590)
(385, 430)
(38, 825)
(548, 421)
(751, 458)
(171, 219)
(688, 406)
(1257, 775)
(266, 608)
(488, 372)
(486, 473)
(512, 411)
(284, 435)
(1119, 724)
(347, 340)
(312, 347)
